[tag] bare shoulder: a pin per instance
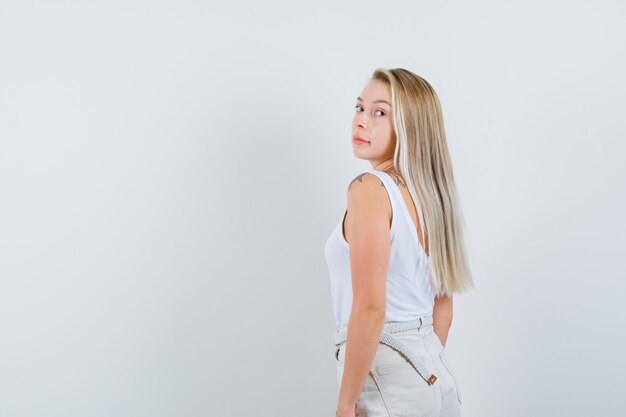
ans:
(366, 181)
(369, 213)
(367, 191)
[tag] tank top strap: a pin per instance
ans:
(393, 190)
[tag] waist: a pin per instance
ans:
(420, 323)
(405, 330)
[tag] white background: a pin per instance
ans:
(170, 171)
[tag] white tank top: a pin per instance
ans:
(409, 294)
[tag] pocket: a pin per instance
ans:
(443, 355)
(404, 392)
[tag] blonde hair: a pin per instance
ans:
(422, 158)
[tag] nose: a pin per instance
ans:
(361, 122)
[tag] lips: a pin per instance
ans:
(359, 139)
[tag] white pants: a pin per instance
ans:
(393, 388)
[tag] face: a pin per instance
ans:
(373, 122)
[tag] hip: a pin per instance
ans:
(396, 386)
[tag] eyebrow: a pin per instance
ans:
(376, 101)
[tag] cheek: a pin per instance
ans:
(384, 131)
(388, 131)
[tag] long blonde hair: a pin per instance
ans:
(422, 158)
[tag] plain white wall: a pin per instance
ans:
(170, 171)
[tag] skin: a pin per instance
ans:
(367, 229)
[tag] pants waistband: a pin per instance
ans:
(388, 339)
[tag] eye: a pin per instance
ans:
(383, 113)
(357, 107)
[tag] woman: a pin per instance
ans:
(396, 257)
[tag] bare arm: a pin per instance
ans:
(368, 234)
(442, 317)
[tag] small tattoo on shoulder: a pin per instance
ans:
(359, 178)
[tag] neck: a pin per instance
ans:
(384, 165)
